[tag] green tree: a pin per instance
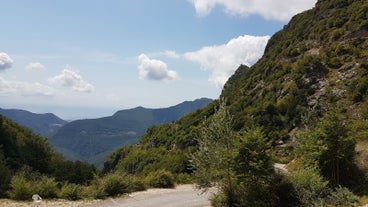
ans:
(329, 147)
(253, 163)
(337, 160)
(254, 170)
(214, 160)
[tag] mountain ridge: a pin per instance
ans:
(91, 138)
(45, 124)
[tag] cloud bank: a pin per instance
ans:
(71, 79)
(268, 9)
(5, 61)
(223, 60)
(24, 88)
(153, 69)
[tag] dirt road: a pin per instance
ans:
(182, 196)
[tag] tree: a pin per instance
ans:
(329, 147)
(237, 163)
(253, 163)
(214, 160)
(254, 170)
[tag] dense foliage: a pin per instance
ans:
(23, 153)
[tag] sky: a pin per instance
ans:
(90, 58)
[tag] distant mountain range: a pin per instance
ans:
(92, 140)
(42, 124)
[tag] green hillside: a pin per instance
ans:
(306, 98)
(43, 124)
(92, 140)
(30, 155)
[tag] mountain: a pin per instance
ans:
(42, 124)
(317, 62)
(92, 139)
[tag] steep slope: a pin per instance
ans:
(42, 124)
(318, 60)
(22, 150)
(92, 139)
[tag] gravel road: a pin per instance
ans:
(181, 196)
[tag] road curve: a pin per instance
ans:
(181, 196)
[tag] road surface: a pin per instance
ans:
(181, 196)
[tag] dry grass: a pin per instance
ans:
(45, 203)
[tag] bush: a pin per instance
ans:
(160, 179)
(183, 178)
(21, 189)
(136, 184)
(115, 184)
(342, 196)
(71, 191)
(309, 186)
(46, 187)
(112, 184)
(95, 191)
(218, 200)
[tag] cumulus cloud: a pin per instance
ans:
(5, 61)
(35, 66)
(24, 88)
(269, 9)
(153, 69)
(223, 60)
(71, 79)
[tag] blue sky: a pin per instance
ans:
(89, 58)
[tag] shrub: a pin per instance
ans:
(309, 186)
(112, 184)
(46, 187)
(21, 189)
(160, 179)
(136, 184)
(342, 196)
(95, 191)
(218, 200)
(71, 191)
(183, 178)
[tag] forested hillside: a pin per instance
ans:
(42, 124)
(24, 155)
(91, 140)
(303, 103)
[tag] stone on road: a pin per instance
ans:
(181, 196)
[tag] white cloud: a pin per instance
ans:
(24, 88)
(5, 61)
(269, 9)
(35, 66)
(71, 79)
(171, 54)
(223, 60)
(153, 69)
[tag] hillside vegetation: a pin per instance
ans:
(91, 140)
(27, 156)
(306, 99)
